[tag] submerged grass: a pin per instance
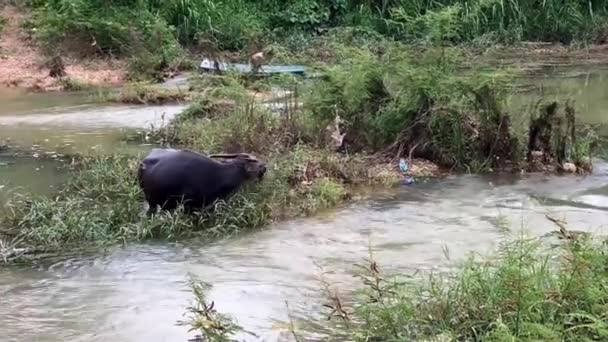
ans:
(525, 292)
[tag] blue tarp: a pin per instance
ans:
(207, 65)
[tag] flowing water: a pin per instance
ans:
(38, 126)
(139, 292)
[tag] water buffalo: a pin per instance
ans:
(169, 177)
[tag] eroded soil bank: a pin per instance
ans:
(23, 62)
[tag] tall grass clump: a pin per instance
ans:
(230, 25)
(423, 104)
(115, 27)
(206, 320)
(525, 292)
(458, 21)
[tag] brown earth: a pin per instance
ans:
(22, 64)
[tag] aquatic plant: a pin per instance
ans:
(211, 325)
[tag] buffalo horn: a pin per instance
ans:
(233, 155)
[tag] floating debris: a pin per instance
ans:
(403, 165)
(407, 181)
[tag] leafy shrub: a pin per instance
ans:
(403, 100)
(524, 292)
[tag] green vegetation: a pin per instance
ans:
(102, 203)
(214, 326)
(68, 84)
(143, 93)
(235, 23)
(394, 105)
(155, 35)
(423, 105)
(526, 292)
(393, 84)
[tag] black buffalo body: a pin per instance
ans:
(169, 177)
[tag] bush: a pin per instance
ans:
(525, 292)
(157, 26)
(408, 101)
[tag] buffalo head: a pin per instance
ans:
(255, 168)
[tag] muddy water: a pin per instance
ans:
(585, 85)
(73, 122)
(137, 293)
(40, 125)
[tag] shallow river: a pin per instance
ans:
(139, 292)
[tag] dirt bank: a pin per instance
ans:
(22, 64)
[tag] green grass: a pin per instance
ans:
(102, 204)
(426, 104)
(139, 93)
(526, 291)
(214, 325)
(68, 84)
(234, 24)
(155, 34)
(142, 93)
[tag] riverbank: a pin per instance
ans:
(373, 104)
(23, 63)
(252, 275)
(32, 36)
